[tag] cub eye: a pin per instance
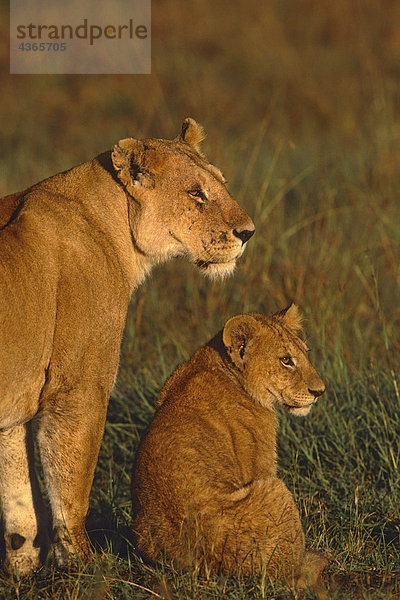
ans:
(198, 195)
(287, 361)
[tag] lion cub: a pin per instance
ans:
(205, 487)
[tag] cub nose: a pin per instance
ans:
(243, 235)
(316, 393)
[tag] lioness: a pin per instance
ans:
(205, 488)
(72, 249)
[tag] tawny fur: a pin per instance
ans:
(72, 249)
(205, 487)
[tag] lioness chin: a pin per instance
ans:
(72, 249)
(205, 488)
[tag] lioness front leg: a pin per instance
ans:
(69, 441)
(25, 523)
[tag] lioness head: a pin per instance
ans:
(271, 360)
(179, 203)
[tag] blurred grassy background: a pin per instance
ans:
(301, 101)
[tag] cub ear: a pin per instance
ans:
(291, 317)
(192, 133)
(128, 158)
(236, 335)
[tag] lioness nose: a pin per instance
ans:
(244, 235)
(316, 393)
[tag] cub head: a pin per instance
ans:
(271, 362)
(178, 201)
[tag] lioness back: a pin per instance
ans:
(205, 488)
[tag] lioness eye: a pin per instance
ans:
(287, 361)
(198, 195)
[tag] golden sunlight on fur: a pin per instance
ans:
(72, 250)
(205, 488)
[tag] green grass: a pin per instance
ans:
(341, 464)
(301, 104)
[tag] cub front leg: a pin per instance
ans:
(69, 439)
(311, 576)
(24, 516)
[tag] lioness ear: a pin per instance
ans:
(128, 158)
(192, 133)
(291, 317)
(236, 335)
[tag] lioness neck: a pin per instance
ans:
(98, 209)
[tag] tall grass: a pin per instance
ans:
(301, 104)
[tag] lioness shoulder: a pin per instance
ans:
(205, 486)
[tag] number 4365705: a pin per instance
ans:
(42, 46)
